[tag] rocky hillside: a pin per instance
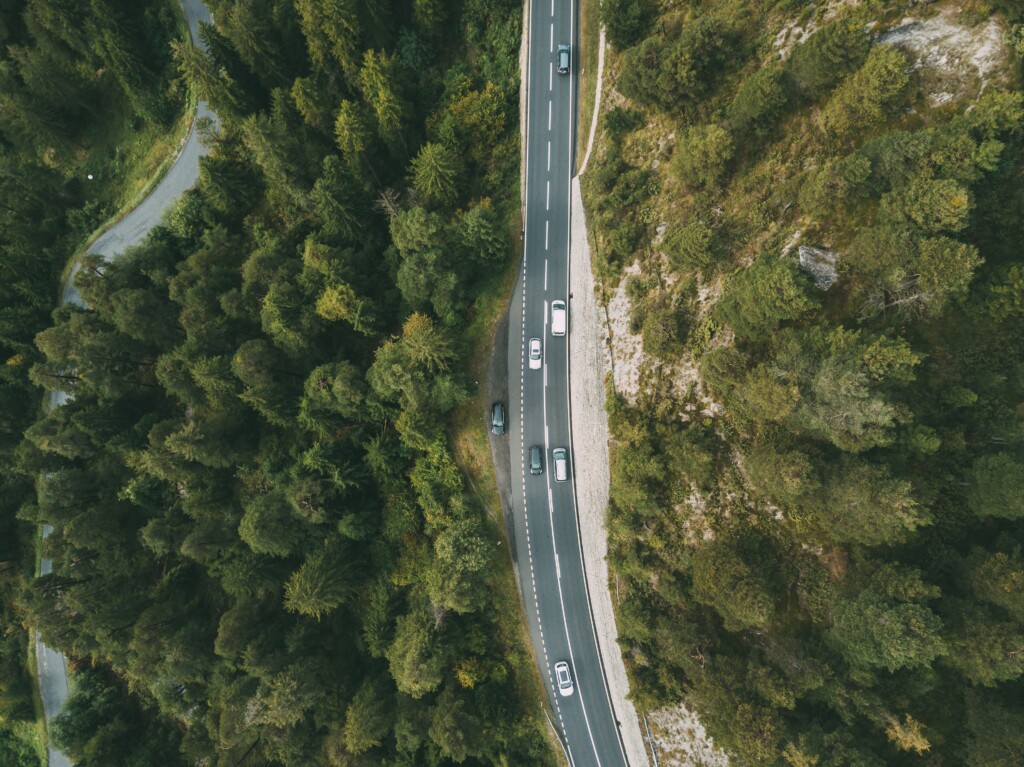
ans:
(806, 224)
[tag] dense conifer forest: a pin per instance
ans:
(817, 521)
(264, 551)
(76, 80)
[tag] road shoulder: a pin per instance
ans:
(587, 373)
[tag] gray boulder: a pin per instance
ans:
(820, 264)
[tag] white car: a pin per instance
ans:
(558, 318)
(561, 461)
(536, 354)
(564, 679)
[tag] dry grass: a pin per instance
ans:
(590, 29)
(470, 443)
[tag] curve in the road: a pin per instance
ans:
(130, 230)
(545, 515)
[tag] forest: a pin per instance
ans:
(76, 80)
(817, 512)
(264, 551)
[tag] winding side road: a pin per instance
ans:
(130, 230)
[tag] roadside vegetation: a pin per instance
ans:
(816, 521)
(265, 553)
(85, 88)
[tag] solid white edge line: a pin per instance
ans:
(583, 567)
(564, 741)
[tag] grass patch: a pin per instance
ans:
(590, 34)
(470, 442)
(127, 160)
(472, 451)
(127, 163)
(33, 732)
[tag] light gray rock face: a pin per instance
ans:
(820, 264)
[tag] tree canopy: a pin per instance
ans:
(807, 241)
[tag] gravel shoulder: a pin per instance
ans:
(589, 366)
(497, 391)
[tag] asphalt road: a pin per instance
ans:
(547, 541)
(130, 230)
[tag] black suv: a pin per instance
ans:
(536, 460)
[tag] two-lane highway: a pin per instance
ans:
(547, 537)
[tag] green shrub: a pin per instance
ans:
(692, 246)
(816, 66)
(831, 189)
(618, 121)
(673, 73)
(758, 103)
(997, 486)
(626, 21)
(861, 102)
(932, 204)
(702, 155)
(762, 296)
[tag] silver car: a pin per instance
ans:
(536, 354)
(497, 419)
(563, 59)
(564, 679)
